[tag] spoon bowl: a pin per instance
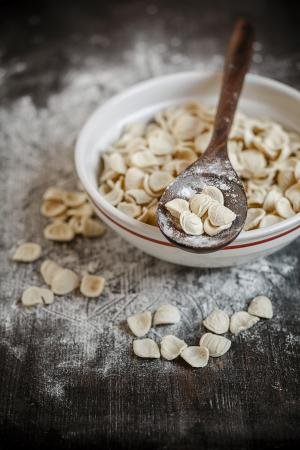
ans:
(191, 182)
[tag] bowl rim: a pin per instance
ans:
(280, 228)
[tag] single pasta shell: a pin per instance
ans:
(171, 347)
(59, 231)
(253, 161)
(219, 215)
(82, 210)
(261, 306)
(64, 281)
(159, 180)
(130, 209)
(146, 348)
(285, 179)
(92, 285)
(216, 345)
(140, 196)
(27, 252)
(77, 223)
(214, 193)
(186, 126)
(254, 216)
(211, 230)
(48, 269)
(284, 208)
(73, 199)
(270, 200)
(241, 321)
(161, 142)
(147, 189)
(92, 228)
(140, 323)
(54, 193)
(177, 206)
(134, 178)
(217, 322)
(191, 223)
(166, 314)
(200, 203)
(143, 159)
(195, 356)
(117, 163)
(52, 208)
(269, 219)
(37, 296)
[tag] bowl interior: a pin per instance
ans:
(261, 98)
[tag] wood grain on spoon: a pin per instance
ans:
(214, 167)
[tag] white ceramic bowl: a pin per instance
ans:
(261, 98)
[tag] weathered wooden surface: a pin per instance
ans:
(68, 378)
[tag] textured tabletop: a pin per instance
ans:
(68, 378)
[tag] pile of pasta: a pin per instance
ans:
(136, 169)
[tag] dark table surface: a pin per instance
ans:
(68, 378)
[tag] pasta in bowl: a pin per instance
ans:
(150, 135)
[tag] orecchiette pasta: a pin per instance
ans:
(137, 168)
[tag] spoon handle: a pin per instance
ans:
(237, 62)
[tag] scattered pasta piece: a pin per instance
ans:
(195, 356)
(82, 210)
(171, 347)
(216, 345)
(92, 228)
(146, 348)
(48, 269)
(217, 322)
(241, 321)
(64, 281)
(52, 208)
(166, 314)
(37, 296)
(27, 252)
(140, 323)
(261, 306)
(59, 231)
(54, 193)
(73, 199)
(92, 285)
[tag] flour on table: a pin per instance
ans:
(91, 335)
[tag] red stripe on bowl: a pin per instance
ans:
(168, 244)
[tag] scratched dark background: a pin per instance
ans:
(248, 399)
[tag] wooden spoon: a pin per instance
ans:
(214, 167)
